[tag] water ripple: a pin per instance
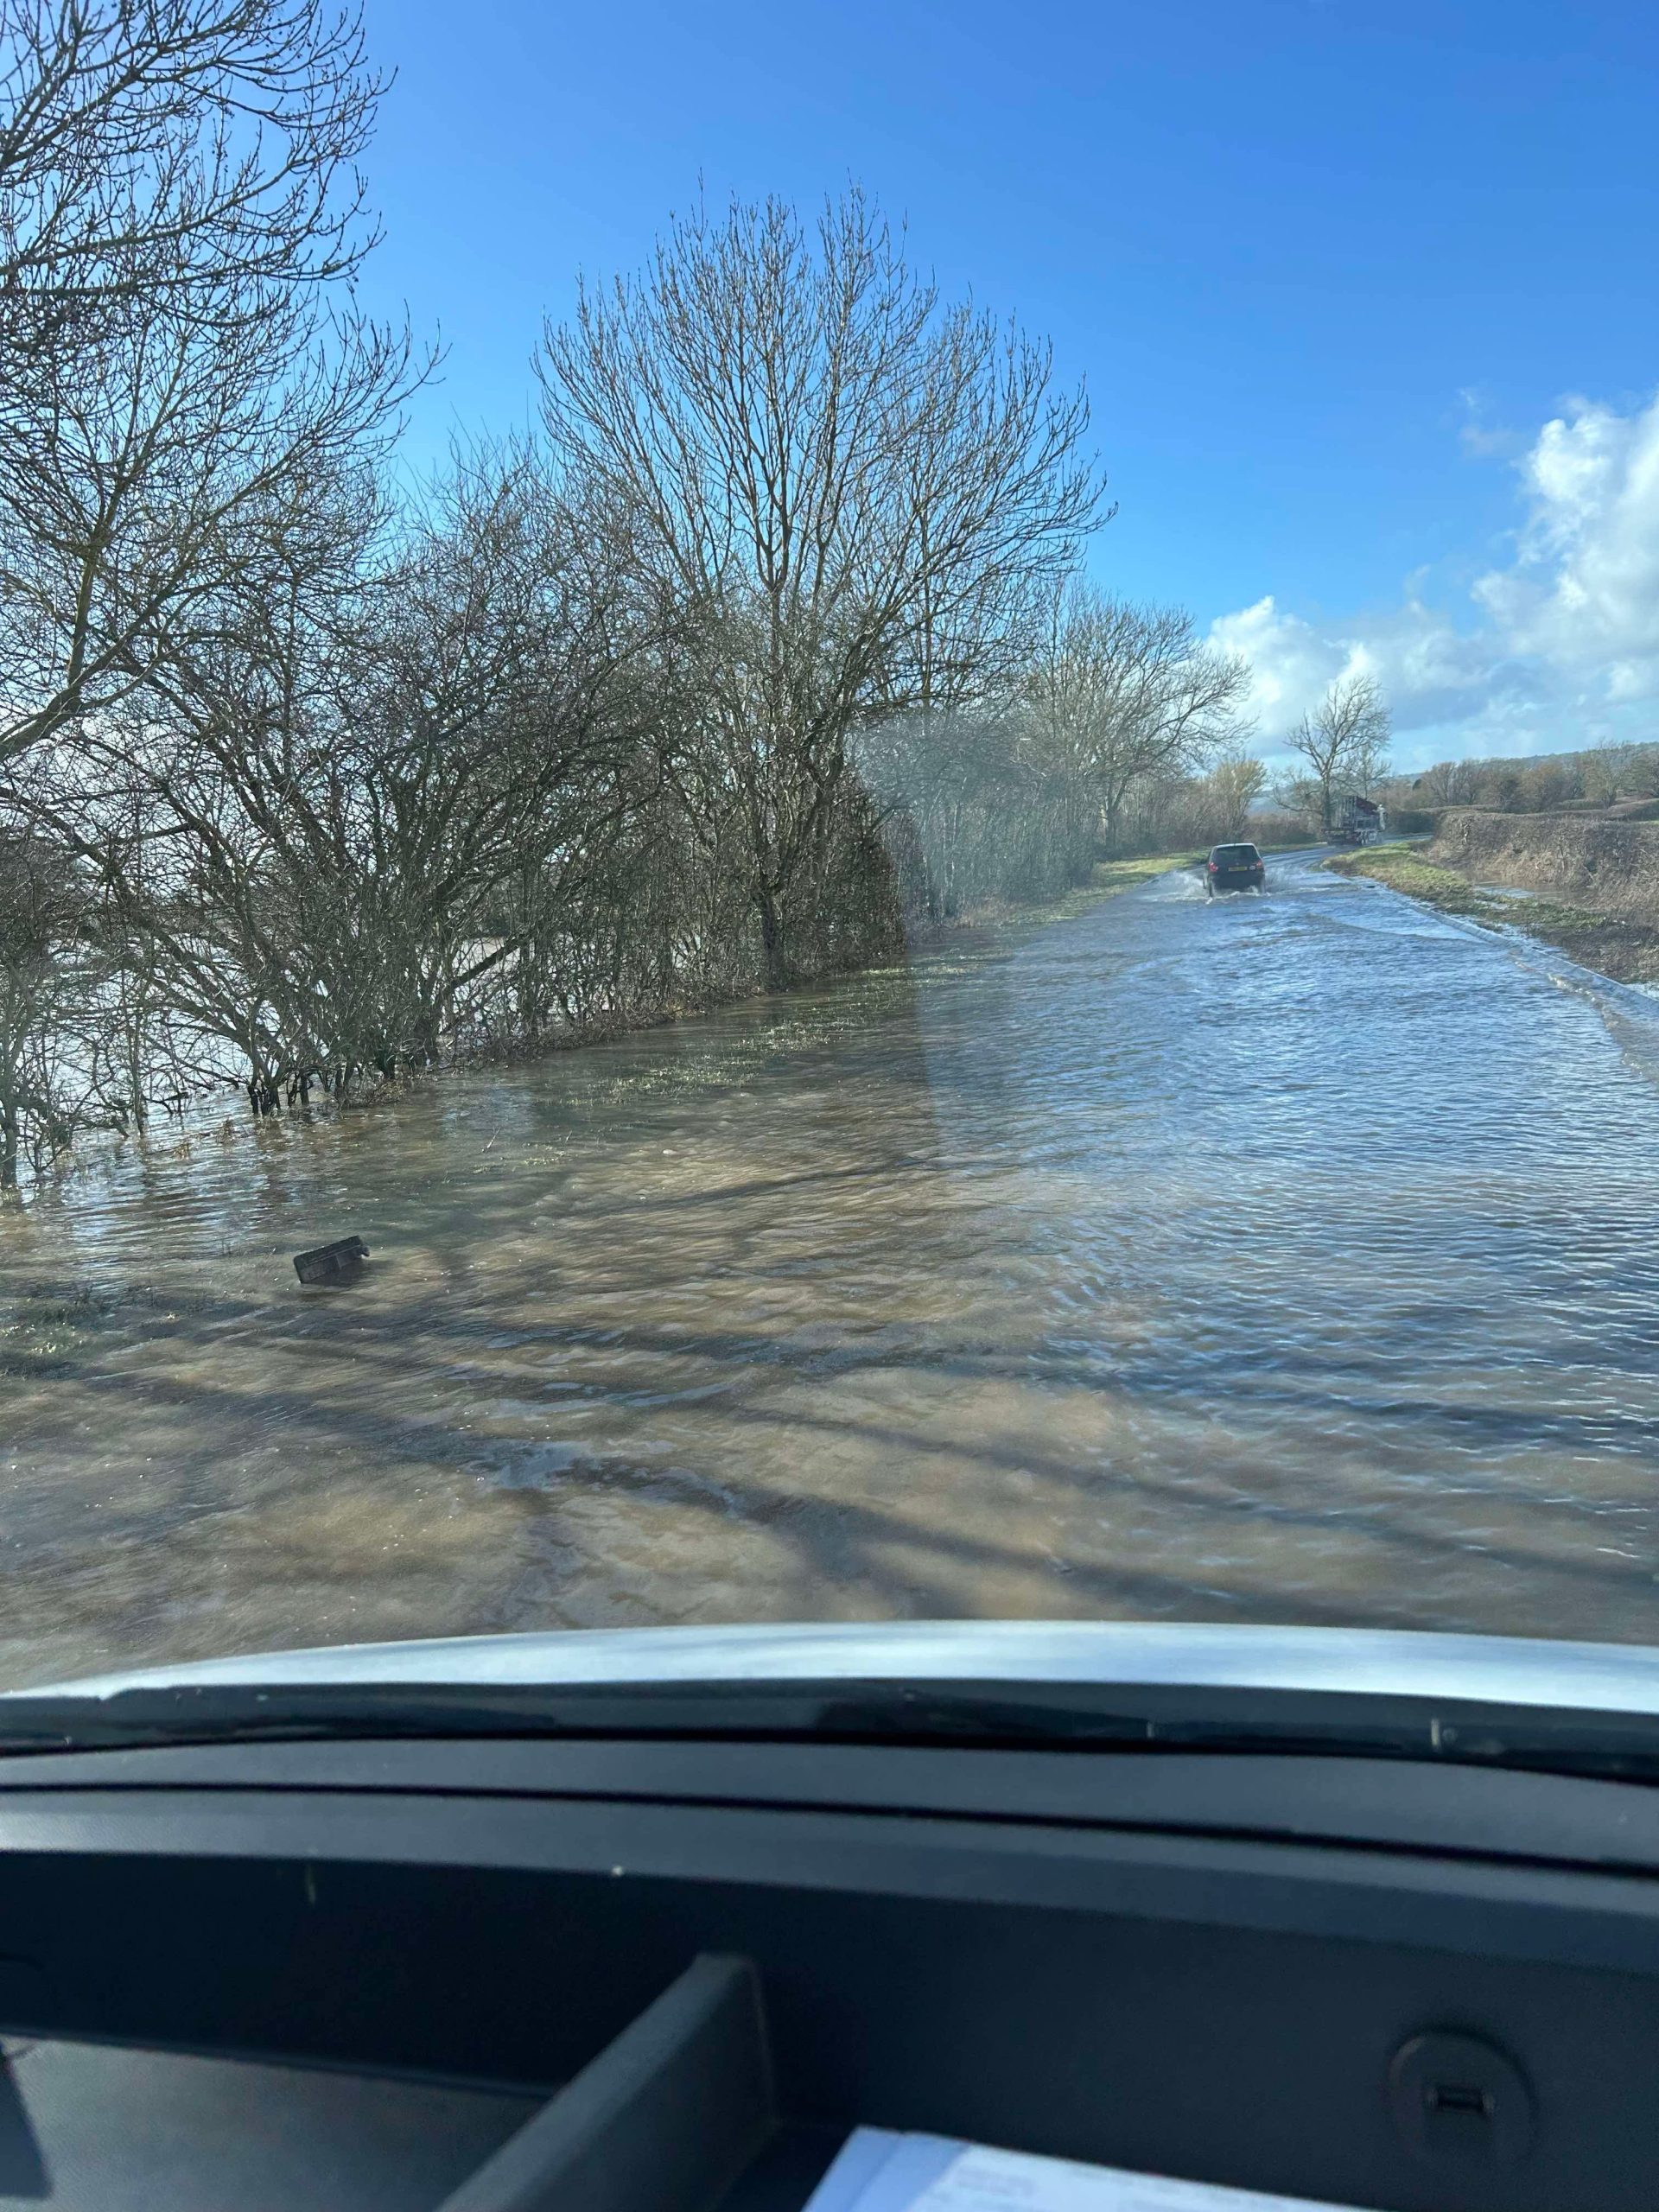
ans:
(1292, 1258)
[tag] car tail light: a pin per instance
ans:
(1212, 867)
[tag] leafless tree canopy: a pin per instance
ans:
(157, 146)
(1449, 783)
(766, 644)
(1235, 784)
(1127, 695)
(848, 488)
(1345, 744)
(179, 209)
(1621, 773)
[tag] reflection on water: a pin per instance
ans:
(1292, 1258)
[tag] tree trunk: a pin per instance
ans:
(771, 939)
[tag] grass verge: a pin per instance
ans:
(1123, 875)
(1628, 951)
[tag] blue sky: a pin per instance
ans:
(1332, 269)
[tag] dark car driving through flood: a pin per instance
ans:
(1234, 867)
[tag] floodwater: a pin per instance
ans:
(1292, 1258)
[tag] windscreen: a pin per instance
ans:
(626, 638)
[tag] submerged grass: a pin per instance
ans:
(1123, 875)
(1108, 878)
(1626, 951)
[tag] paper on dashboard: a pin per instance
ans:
(879, 2170)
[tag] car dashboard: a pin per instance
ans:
(641, 1973)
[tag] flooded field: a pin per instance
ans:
(1291, 1258)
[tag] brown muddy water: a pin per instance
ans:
(1292, 1258)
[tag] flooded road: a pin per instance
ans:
(1292, 1258)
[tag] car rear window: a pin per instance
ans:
(1236, 853)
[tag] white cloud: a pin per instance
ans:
(1291, 662)
(1585, 591)
(1560, 648)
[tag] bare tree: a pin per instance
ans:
(1128, 695)
(1610, 768)
(1449, 783)
(54, 1011)
(179, 206)
(1234, 784)
(494, 745)
(156, 143)
(974, 810)
(1345, 740)
(845, 486)
(346, 783)
(317, 827)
